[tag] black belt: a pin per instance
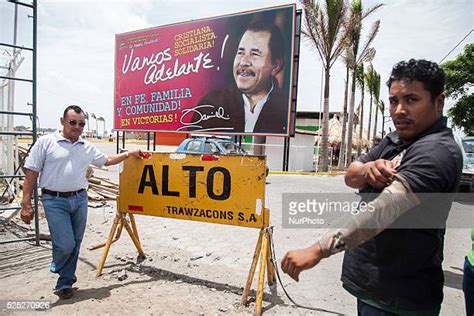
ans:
(61, 194)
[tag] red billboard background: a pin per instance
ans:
(161, 73)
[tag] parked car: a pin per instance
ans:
(467, 178)
(211, 145)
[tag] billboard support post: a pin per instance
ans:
(148, 136)
(286, 153)
(117, 149)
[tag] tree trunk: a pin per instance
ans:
(350, 124)
(361, 119)
(370, 118)
(376, 119)
(383, 125)
(323, 149)
(342, 152)
(361, 122)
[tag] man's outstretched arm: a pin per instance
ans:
(115, 159)
(392, 203)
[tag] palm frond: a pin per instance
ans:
(371, 10)
(367, 56)
(369, 78)
(377, 88)
(370, 38)
(323, 28)
(359, 75)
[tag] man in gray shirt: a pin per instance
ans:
(61, 160)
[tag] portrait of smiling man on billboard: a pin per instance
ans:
(254, 102)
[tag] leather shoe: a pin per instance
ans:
(65, 294)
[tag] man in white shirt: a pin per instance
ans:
(61, 160)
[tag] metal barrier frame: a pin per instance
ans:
(33, 114)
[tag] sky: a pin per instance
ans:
(76, 46)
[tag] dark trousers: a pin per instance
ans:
(364, 309)
(468, 287)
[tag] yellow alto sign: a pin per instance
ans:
(227, 190)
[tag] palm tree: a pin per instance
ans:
(96, 131)
(354, 27)
(377, 100)
(342, 152)
(359, 76)
(381, 107)
(372, 79)
(101, 119)
(324, 30)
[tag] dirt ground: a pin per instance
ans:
(167, 281)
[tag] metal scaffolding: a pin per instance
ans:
(11, 167)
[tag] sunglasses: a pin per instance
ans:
(74, 123)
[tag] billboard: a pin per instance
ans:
(225, 75)
(194, 187)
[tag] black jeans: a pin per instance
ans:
(364, 309)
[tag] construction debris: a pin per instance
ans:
(100, 190)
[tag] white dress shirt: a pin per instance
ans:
(252, 117)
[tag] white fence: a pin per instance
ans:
(301, 158)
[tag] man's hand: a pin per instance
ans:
(89, 172)
(26, 212)
(296, 261)
(137, 153)
(380, 173)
